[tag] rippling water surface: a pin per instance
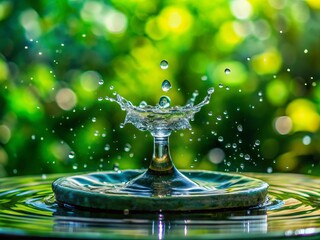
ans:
(28, 209)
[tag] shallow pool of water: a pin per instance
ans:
(28, 210)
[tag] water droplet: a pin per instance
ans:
(220, 85)
(143, 104)
(127, 147)
(107, 147)
(33, 137)
(101, 82)
(247, 157)
(306, 140)
(240, 128)
(257, 142)
(220, 139)
(204, 78)
(75, 166)
(166, 85)
(305, 51)
(111, 87)
(227, 71)
(210, 90)
(71, 155)
(164, 102)
(116, 167)
(269, 170)
(164, 64)
(219, 118)
(94, 119)
(210, 113)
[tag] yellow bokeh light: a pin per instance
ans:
(314, 4)
(268, 62)
(277, 92)
(175, 19)
(153, 29)
(287, 162)
(304, 115)
(227, 37)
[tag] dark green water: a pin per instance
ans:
(28, 210)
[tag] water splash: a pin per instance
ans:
(161, 118)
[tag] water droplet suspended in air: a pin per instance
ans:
(247, 157)
(116, 167)
(240, 128)
(164, 64)
(107, 147)
(166, 85)
(220, 85)
(227, 71)
(220, 139)
(210, 90)
(127, 147)
(101, 82)
(71, 155)
(219, 118)
(257, 142)
(164, 102)
(204, 78)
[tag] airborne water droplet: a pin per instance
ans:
(247, 157)
(101, 82)
(164, 102)
(164, 64)
(204, 78)
(127, 147)
(240, 128)
(227, 71)
(166, 85)
(71, 155)
(210, 90)
(220, 139)
(107, 147)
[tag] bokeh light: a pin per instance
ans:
(60, 59)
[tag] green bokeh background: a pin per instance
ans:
(59, 59)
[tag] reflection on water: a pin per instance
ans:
(27, 207)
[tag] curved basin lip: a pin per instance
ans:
(74, 196)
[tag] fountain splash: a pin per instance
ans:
(158, 119)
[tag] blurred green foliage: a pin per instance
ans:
(59, 59)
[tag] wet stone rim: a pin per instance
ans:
(233, 191)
